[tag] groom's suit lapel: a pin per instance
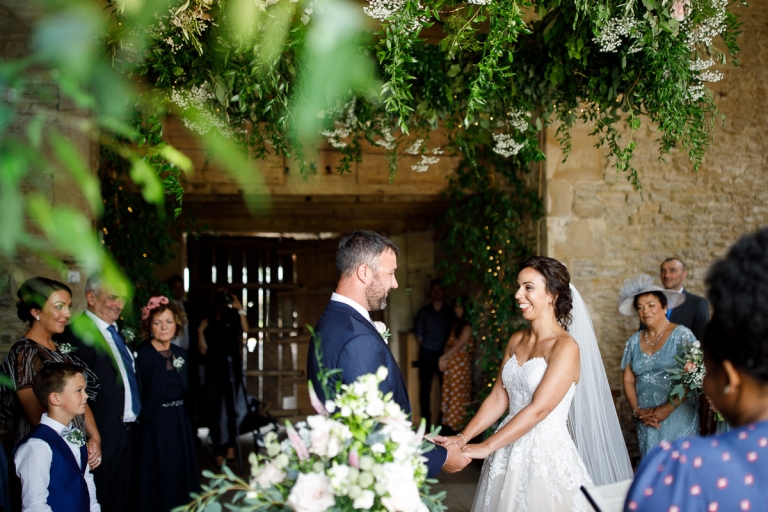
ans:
(349, 310)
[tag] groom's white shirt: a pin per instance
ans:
(349, 302)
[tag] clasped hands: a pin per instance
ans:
(460, 454)
(653, 416)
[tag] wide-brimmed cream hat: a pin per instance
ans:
(640, 285)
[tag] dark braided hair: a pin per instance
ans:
(738, 292)
(558, 284)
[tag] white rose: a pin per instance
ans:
(394, 415)
(382, 373)
(378, 448)
(375, 408)
(339, 476)
(319, 436)
(364, 501)
(311, 493)
(402, 489)
(270, 475)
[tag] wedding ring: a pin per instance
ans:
(98, 459)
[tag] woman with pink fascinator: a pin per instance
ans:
(167, 461)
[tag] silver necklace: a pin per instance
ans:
(657, 338)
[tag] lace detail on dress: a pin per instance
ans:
(545, 457)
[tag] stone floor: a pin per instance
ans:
(460, 487)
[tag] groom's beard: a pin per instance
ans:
(376, 296)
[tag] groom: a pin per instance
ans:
(366, 263)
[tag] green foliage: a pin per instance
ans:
(60, 98)
(488, 234)
(136, 233)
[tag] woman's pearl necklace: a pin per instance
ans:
(657, 338)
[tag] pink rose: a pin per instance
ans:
(311, 493)
(162, 299)
(678, 9)
(690, 367)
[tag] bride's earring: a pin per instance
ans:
(727, 389)
(37, 318)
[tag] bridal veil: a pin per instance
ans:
(592, 418)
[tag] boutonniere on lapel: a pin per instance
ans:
(382, 328)
(76, 437)
(178, 362)
(128, 334)
(65, 348)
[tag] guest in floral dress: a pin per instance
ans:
(456, 365)
(726, 471)
(167, 461)
(647, 356)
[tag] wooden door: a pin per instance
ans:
(285, 284)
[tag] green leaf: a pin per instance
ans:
(35, 132)
(69, 157)
(145, 177)
(177, 158)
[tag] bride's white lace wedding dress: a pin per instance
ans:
(541, 471)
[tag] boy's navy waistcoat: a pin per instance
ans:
(67, 490)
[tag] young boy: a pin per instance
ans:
(52, 462)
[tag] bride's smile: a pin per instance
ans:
(532, 294)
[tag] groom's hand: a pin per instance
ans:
(456, 460)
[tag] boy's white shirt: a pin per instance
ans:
(33, 467)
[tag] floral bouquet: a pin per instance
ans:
(688, 376)
(358, 453)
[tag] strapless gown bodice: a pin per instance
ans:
(541, 470)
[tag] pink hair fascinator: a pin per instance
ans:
(152, 304)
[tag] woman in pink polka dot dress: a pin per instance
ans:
(729, 471)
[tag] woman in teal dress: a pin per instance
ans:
(647, 356)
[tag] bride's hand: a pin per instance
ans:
(476, 451)
(448, 440)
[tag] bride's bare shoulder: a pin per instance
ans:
(515, 340)
(566, 346)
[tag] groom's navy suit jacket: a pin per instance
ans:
(350, 342)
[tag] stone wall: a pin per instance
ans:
(17, 18)
(606, 232)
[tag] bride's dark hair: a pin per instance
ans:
(558, 284)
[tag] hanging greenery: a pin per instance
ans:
(507, 68)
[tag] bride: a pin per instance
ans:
(550, 379)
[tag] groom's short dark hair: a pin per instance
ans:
(361, 247)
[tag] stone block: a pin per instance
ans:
(559, 198)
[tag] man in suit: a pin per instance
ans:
(99, 344)
(694, 312)
(366, 263)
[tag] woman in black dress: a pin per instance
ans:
(168, 464)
